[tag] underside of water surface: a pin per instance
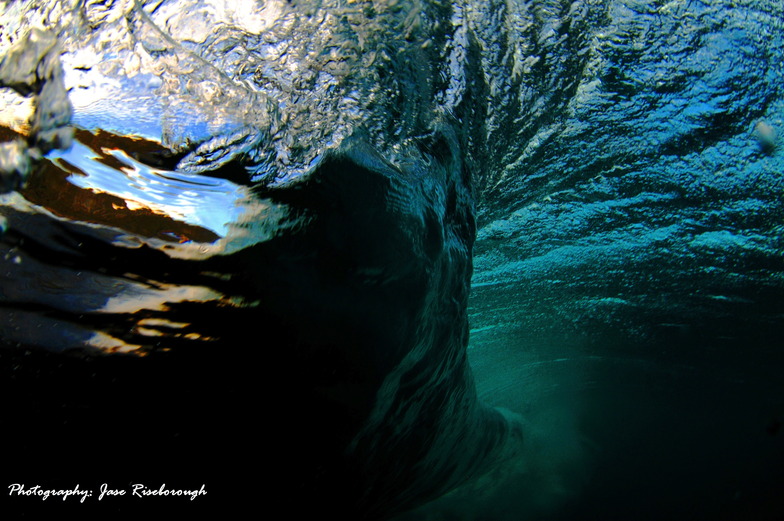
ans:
(400, 259)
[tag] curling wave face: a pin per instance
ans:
(269, 209)
(301, 220)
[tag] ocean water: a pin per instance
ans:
(409, 260)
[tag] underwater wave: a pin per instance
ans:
(412, 259)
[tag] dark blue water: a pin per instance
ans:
(410, 260)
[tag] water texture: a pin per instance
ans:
(415, 259)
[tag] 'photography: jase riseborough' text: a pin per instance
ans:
(136, 490)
